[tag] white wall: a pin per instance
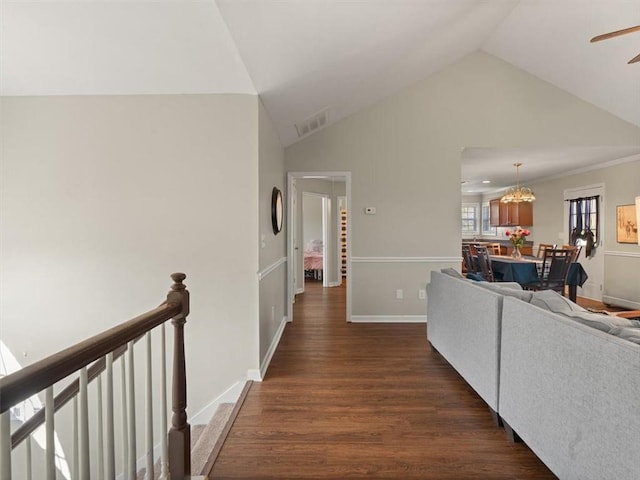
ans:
(104, 197)
(273, 280)
(404, 155)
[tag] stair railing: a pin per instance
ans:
(101, 351)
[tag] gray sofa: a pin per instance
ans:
(566, 386)
(463, 324)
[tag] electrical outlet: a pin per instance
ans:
(422, 294)
(399, 294)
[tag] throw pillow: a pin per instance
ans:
(452, 272)
(475, 276)
(554, 302)
(512, 290)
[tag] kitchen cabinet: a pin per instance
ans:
(510, 214)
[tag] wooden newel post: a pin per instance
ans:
(180, 431)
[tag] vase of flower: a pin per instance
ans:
(516, 254)
(517, 238)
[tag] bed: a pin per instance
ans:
(313, 260)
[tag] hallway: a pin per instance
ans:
(365, 400)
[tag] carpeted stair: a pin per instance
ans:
(203, 440)
(206, 441)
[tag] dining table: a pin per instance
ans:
(527, 269)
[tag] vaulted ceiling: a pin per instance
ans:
(303, 56)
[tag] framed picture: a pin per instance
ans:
(626, 224)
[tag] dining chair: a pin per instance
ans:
(542, 247)
(553, 274)
(484, 262)
(467, 260)
(575, 249)
(494, 248)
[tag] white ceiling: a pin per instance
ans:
(302, 56)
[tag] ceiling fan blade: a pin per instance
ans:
(634, 59)
(617, 33)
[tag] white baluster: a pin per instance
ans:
(125, 422)
(149, 413)
(28, 447)
(85, 472)
(5, 446)
(50, 452)
(100, 433)
(76, 454)
(164, 461)
(110, 454)
(132, 416)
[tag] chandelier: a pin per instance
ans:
(518, 194)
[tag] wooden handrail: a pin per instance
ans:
(62, 398)
(41, 375)
(34, 378)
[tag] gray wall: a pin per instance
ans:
(404, 155)
(272, 247)
(621, 260)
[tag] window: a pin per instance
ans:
(487, 229)
(583, 215)
(470, 218)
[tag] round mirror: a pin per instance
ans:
(276, 210)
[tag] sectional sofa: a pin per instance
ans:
(564, 380)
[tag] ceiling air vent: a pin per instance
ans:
(313, 123)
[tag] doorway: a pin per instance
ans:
(322, 235)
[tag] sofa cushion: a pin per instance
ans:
(601, 321)
(509, 289)
(554, 302)
(628, 333)
(452, 272)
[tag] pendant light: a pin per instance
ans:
(518, 194)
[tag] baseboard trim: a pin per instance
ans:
(388, 318)
(254, 375)
(334, 284)
(620, 302)
(230, 395)
(272, 348)
(299, 291)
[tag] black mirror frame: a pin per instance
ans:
(277, 214)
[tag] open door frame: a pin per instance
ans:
(291, 207)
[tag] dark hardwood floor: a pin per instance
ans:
(365, 400)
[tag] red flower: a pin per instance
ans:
(507, 233)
